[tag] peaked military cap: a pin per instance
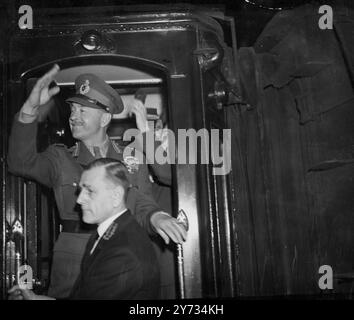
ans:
(93, 92)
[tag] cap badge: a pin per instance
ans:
(85, 87)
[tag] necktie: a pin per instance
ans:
(96, 237)
(97, 153)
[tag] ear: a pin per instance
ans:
(118, 194)
(105, 119)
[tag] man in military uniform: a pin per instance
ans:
(60, 168)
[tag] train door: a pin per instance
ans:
(206, 191)
(181, 60)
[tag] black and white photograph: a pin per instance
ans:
(178, 155)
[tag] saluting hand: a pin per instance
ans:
(138, 108)
(41, 93)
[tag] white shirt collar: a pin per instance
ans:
(103, 226)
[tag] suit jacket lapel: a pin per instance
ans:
(102, 242)
(111, 232)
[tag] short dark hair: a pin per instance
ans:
(116, 172)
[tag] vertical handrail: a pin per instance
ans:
(183, 220)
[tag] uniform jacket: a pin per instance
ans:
(122, 266)
(60, 168)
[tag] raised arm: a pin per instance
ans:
(23, 158)
(160, 172)
(162, 223)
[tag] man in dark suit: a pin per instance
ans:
(119, 260)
